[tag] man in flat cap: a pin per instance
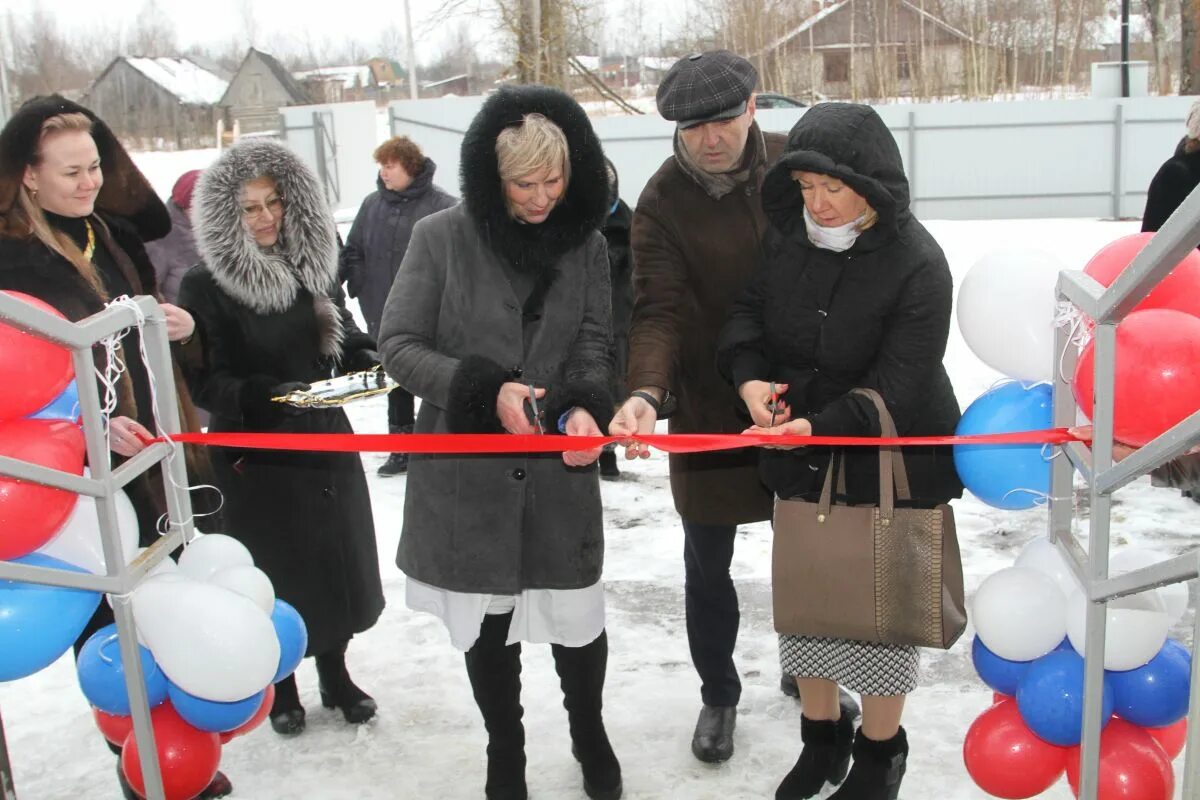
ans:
(696, 242)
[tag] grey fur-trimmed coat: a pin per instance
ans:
(453, 331)
(269, 318)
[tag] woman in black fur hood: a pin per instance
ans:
(267, 299)
(501, 308)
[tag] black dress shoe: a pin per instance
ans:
(849, 706)
(396, 464)
(357, 706)
(787, 685)
(713, 739)
(608, 465)
(219, 786)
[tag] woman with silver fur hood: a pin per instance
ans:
(273, 319)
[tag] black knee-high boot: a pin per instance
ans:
(495, 673)
(338, 691)
(581, 673)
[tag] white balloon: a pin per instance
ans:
(211, 553)
(1135, 631)
(1044, 556)
(250, 582)
(1020, 614)
(1174, 595)
(213, 643)
(78, 540)
(1006, 309)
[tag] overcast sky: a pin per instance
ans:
(219, 21)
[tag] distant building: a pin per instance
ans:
(338, 84)
(860, 50)
(259, 88)
(387, 73)
(457, 85)
(154, 102)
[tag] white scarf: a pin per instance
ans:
(836, 239)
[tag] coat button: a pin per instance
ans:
(517, 372)
(518, 474)
(329, 493)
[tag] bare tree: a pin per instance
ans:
(1189, 67)
(45, 61)
(1156, 17)
(153, 34)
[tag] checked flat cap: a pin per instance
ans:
(706, 87)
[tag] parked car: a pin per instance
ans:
(773, 100)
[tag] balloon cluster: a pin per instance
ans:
(207, 681)
(39, 525)
(1030, 622)
(1158, 343)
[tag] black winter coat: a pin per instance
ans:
(876, 315)
(620, 272)
(379, 239)
(1173, 182)
(305, 516)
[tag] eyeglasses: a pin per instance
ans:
(274, 206)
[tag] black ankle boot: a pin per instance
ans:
(824, 758)
(338, 691)
(397, 463)
(495, 672)
(219, 786)
(581, 673)
(287, 715)
(608, 465)
(878, 769)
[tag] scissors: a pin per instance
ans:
(773, 403)
(534, 412)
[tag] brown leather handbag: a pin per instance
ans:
(871, 573)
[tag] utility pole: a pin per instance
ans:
(412, 54)
(1124, 48)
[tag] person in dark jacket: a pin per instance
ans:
(267, 297)
(854, 293)
(74, 211)
(174, 254)
(620, 269)
(696, 242)
(376, 245)
(1176, 178)
(501, 307)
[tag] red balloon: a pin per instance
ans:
(256, 720)
(187, 757)
(32, 371)
(1171, 738)
(30, 514)
(1000, 697)
(1157, 382)
(1132, 765)
(115, 727)
(1008, 760)
(1179, 291)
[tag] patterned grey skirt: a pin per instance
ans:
(869, 668)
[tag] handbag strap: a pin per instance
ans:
(892, 472)
(826, 500)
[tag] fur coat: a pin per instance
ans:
(268, 318)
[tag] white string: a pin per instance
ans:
(1040, 498)
(1066, 314)
(164, 523)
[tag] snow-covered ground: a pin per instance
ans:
(428, 740)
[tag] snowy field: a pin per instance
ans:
(428, 740)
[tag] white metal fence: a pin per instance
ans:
(994, 160)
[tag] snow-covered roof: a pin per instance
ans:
(179, 76)
(351, 76)
(663, 63)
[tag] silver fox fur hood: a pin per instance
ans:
(306, 255)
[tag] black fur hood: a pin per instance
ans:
(306, 255)
(582, 211)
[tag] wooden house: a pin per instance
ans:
(259, 88)
(157, 102)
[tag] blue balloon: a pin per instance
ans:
(999, 673)
(993, 473)
(65, 406)
(102, 673)
(293, 638)
(213, 716)
(39, 623)
(1050, 698)
(1155, 694)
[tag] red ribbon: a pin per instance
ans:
(467, 443)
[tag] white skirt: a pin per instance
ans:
(570, 617)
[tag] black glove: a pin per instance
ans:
(361, 361)
(258, 409)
